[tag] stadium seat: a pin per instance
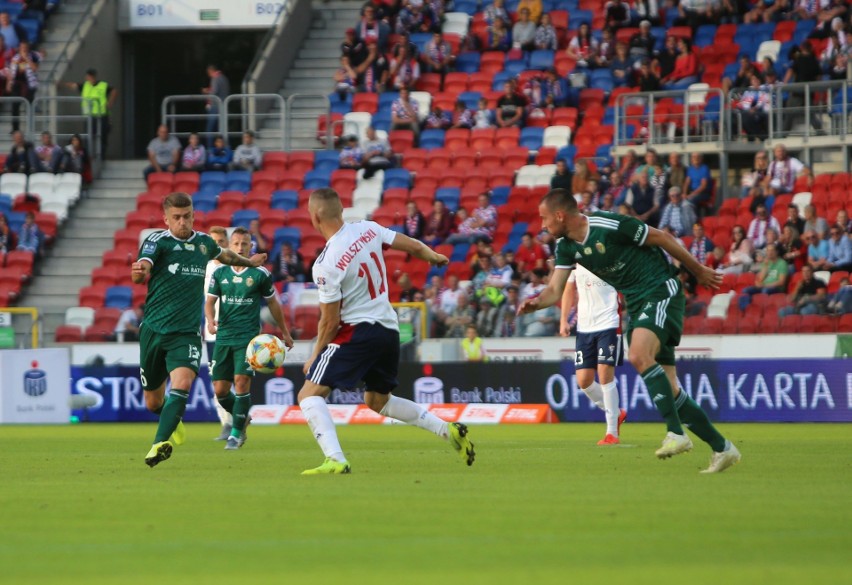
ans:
(68, 334)
(119, 297)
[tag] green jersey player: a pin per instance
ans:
(239, 292)
(628, 254)
(169, 337)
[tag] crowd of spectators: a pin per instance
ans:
(167, 154)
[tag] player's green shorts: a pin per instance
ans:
(229, 360)
(663, 315)
(160, 353)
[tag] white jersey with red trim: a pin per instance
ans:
(351, 269)
(597, 302)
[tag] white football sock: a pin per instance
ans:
(322, 426)
(610, 400)
(224, 416)
(595, 394)
(412, 413)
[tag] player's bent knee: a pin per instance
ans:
(313, 389)
(376, 401)
(242, 384)
(221, 388)
(585, 377)
(182, 378)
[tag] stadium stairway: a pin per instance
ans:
(84, 238)
(313, 71)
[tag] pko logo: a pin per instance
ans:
(279, 391)
(429, 390)
(35, 381)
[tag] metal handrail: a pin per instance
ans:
(777, 121)
(87, 20)
(260, 58)
(170, 119)
(290, 115)
(53, 119)
(250, 116)
(24, 116)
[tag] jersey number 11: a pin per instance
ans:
(364, 271)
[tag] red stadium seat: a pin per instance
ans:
(68, 334)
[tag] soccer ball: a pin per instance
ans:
(265, 353)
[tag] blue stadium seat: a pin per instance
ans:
(705, 35)
(515, 66)
(511, 6)
(459, 253)
(470, 99)
(450, 196)
(519, 229)
(387, 99)
(284, 199)
(580, 16)
(118, 297)
(467, 62)
(32, 27)
(291, 235)
(531, 138)
(432, 138)
(326, 160)
(500, 195)
(541, 59)
(420, 40)
(317, 179)
(470, 7)
(204, 201)
(395, 228)
(340, 104)
(211, 177)
(436, 271)
(382, 121)
(212, 188)
(238, 181)
(397, 178)
(5, 203)
(570, 5)
(567, 153)
(603, 152)
(243, 217)
(601, 79)
(609, 116)
(499, 79)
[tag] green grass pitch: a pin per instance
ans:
(542, 504)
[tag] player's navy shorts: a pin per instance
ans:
(366, 351)
(598, 348)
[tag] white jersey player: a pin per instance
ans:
(219, 234)
(598, 343)
(358, 333)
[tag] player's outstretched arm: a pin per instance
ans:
(139, 271)
(548, 297)
(419, 250)
(329, 323)
(278, 315)
(233, 259)
(210, 314)
(705, 275)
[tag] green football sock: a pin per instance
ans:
(242, 404)
(159, 410)
(172, 412)
(695, 419)
(227, 402)
(662, 395)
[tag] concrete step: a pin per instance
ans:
(89, 248)
(98, 213)
(63, 286)
(321, 85)
(332, 46)
(325, 75)
(317, 64)
(325, 34)
(64, 269)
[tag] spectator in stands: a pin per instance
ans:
(783, 171)
(740, 254)
(543, 323)
(628, 165)
(792, 249)
(583, 48)
(438, 119)
(621, 67)
(351, 155)
(446, 299)
(438, 56)
(562, 178)
(404, 113)
(49, 155)
(8, 238)
(499, 38)
(22, 157)
(99, 97)
(345, 81)
(764, 11)
(438, 225)
(488, 313)
(510, 108)
(743, 77)
(248, 156)
(616, 189)
(793, 218)
(495, 11)
(288, 265)
(698, 183)
(258, 240)
(461, 116)
(413, 224)
(770, 280)
(523, 33)
(471, 345)
(754, 109)
(12, 32)
(484, 116)
(408, 291)
(500, 274)
(772, 240)
(127, 327)
(581, 178)
(376, 153)
(30, 236)
(369, 27)
(545, 35)
(353, 52)
(529, 255)
(760, 224)
(679, 215)
(374, 72)
(835, 57)
(6, 55)
(694, 13)
(506, 322)
(839, 251)
(643, 42)
(646, 10)
(194, 155)
(219, 156)
(701, 246)
(220, 87)
(665, 60)
(34, 9)
(479, 226)
(804, 68)
(404, 69)
(817, 250)
(76, 159)
(606, 50)
(535, 8)
(413, 18)
(842, 221)
(815, 223)
(461, 316)
(758, 173)
(675, 171)
(685, 67)
(23, 78)
(616, 14)
(809, 296)
(646, 79)
(840, 302)
(163, 152)
(643, 201)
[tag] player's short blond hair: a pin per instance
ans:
(218, 230)
(327, 203)
(179, 200)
